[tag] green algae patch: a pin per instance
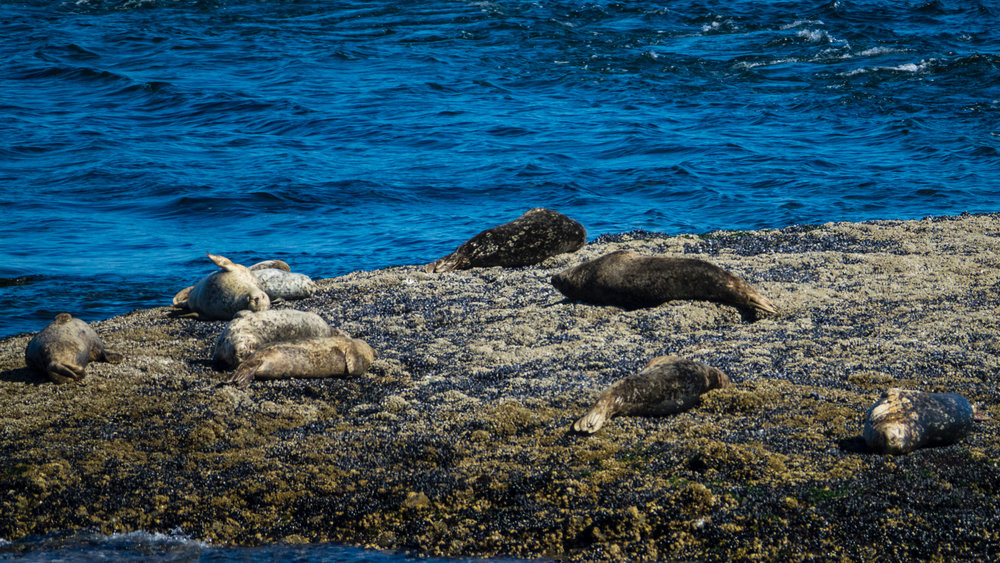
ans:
(458, 440)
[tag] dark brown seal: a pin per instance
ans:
(529, 239)
(309, 358)
(904, 420)
(667, 385)
(631, 281)
(63, 349)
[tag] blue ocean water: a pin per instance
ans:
(142, 547)
(137, 135)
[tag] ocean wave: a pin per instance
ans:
(379, 133)
(969, 67)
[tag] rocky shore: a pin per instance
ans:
(458, 440)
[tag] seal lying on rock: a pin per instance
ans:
(63, 349)
(631, 281)
(250, 331)
(221, 295)
(529, 239)
(904, 420)
(279, 284)
(310, 358)
(667, 385)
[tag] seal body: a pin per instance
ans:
(310, 358)
(631, 281)
(63, 349)
(904, 420)
(280, 284)
(667, 385)
(529, 239)
(249, 331)
(221, 295)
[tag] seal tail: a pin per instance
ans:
(762, 304)
(755, 303)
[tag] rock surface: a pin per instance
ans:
(458, 439)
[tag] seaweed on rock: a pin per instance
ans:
(456, 441)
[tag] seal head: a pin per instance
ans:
(667, 385)
(63, 349)
(538, 234)
(628, 280)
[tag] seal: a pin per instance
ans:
(222, 294)
(280, 284)
(309, 358)
(631, 281)
(527, 240)
(904, 420)
(63, 349)
(250, 331)
(667, 385)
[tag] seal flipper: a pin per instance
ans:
(110, 357)
(244, 374)
(223, 262)
(64, 373)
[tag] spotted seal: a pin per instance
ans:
(631, 281)
(309, 358)
(63, 349)
(222, 294)
(249, 331)
(904, 420)
(529, 239)
(280, 284)
(667, 385)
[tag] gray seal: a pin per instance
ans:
(626, 279)
(309, 358)
(221, 295)
(63, 349)
(538, 234)
(667, 385)
(250, 331)
(904, 420)
(280, 284)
